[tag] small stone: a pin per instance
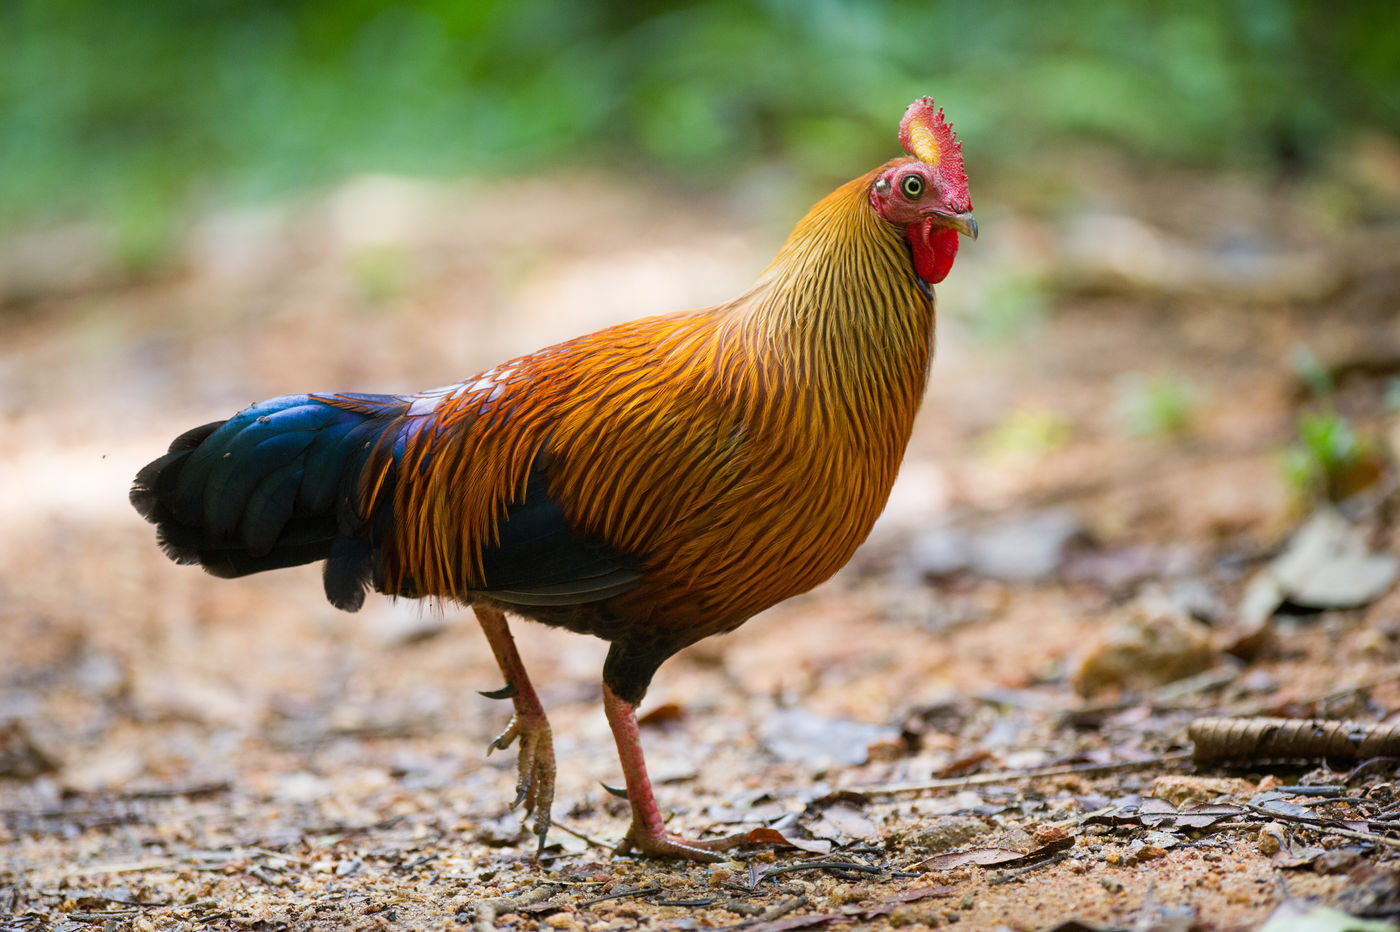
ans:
(1271, 839)
(904, 916)
(1336, 861)
(1149, 853)
(1186, 791)
(1153, 645)
(1048, 834)
(949, 831)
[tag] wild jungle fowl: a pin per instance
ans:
(653, 483)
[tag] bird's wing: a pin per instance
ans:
(539, 560)
(448, 517)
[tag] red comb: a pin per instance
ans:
(927, 136)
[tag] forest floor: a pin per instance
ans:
(982, 720)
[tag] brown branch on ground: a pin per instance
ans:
(1257, 740)
(173, 792)
(1325, 826)
(984, 779)
(488, 910)
(645, 890)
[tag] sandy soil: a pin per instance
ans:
(183, 752)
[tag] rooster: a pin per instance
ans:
(652, 484)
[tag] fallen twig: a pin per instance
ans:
(580, 835)
(274, 853)
(1384, 840)
(983, 779)
(107, 915)
(173, 792)
(782, 909)
(1255, 740)
(1324, 825)
(855, 866)
(487, 910)
(647, 890)
(1011, 873)
(259, 874)
(1370, 766)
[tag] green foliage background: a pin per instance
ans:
(126, 108)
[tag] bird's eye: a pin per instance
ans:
(912, 186)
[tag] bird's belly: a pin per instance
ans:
(753, 551)
(600, 619)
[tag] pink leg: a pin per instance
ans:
(648, 832)
(534, 787)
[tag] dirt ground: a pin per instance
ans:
(982, 720)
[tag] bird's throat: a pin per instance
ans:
(934, 248)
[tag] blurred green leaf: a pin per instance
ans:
(1330, 459)
(221, 100)
(1160, 405)
(1027, 434)
(381, 273)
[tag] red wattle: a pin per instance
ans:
(934, 248)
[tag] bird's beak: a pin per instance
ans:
(964, 223)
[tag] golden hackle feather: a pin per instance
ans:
(743, 450)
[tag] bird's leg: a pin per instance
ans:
(647, 834)
(534, 789)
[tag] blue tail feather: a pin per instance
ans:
(275, 485)
(279, 484)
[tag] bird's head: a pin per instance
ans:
(926, 194)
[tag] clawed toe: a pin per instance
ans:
(505, 738)
(534, 786)
(664, 845)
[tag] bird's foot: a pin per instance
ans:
(660, 844)
(534, 787)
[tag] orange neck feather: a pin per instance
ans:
(840, 315)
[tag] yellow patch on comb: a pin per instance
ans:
(923, 144)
